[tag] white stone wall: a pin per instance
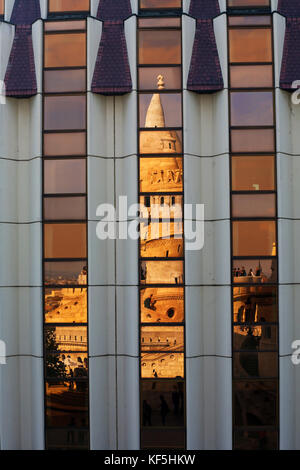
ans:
(21, 379)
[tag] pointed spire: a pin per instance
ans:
(155, 116)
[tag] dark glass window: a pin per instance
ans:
(67, 404)
(255, 403)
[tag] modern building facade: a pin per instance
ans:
(133, 342)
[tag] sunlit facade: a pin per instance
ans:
(124, 342)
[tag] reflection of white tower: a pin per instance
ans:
(161, 141)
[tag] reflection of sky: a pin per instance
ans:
(160, 3)
(67, 270)
(160, 47)
(252, 109)
(171, 103)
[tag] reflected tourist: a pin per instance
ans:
(164, 410)
(147, 413)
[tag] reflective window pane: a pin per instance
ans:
(67, 365)
(251, 20)
(67, 404)
(68, 5)
(65, 240)
(65, 25)
(252, 238)
(253, 205)
(67, 439)
(251, 76)
(167, 141)
(65, 305)
(251, 108)
(252, 140)
(254, 304)
(255, 440)
(64, 208)
(65, 338)
(255, 403)
(253, 364)
(160, 110)
(156, 4)
(64, 112)
(1, 7)
(161, 174)
(61, 81)
(162, 403)
(250, 45)
(161, 206)
(64, 144)
(162, 365)
(160, 47)
(148, 77)
(248, 3)
(255, 173)
(162, 304)
(162, 338)
(161, 272)
(64, 176)
(65, 272)
(65, 50)
(254, 338)
(159, 438)
(255, 271)
(161, 240)
(159, 22)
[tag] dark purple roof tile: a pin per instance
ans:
(113, 10)
(204, 9)
(20, 79)
(290, 67)
(112, 72)
(25, 12)
(289, 8)
(205, 73)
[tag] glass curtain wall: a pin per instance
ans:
(253, 226)
(65, 267)
(161, 247)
